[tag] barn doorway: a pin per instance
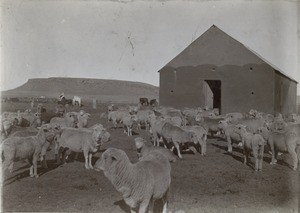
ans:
(212, 93)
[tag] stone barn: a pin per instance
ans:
(219, 72)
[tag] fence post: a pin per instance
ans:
(94, 103)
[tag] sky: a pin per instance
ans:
(132, 40)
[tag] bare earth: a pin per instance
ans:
(219, 182)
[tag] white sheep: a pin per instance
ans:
(117, 117)
(201, 135)
(30, 131)
(128, 121)
(147, 180)
(156, 124)
(143, 118)
(144, 147)
(25, 148)
(68, 121)
(82, 119)
(283, 141)
(177, 136)
(254, 142)
(85, 140)
(230, 133)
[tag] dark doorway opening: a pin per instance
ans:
(212, 93)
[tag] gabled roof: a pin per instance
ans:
(216, 47)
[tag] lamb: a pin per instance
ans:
(230, 133)
(87, 141)
(201, 135)
(254, 142)
(176, 135)
(144, 147)
(287, 140)
(147, 180)
(25, 148)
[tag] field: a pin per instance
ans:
(218, 182)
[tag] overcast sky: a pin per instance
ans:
(132, 40)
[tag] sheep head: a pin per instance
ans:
(139, 143)
(109, 159)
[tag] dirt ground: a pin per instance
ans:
(218, 182)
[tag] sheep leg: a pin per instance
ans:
(245, 156)
(128, 131)
(203, 147)
(86, 156)
(90, 160)
(165, 202)
(178, 149)
(151, 205)
(44, 162)
(229, 149)
(132, 210)
(31, 171)
(260, 157)
(34, 162)
(10, 167)
(60, 150)
(292, 151)
(144, 206)
(255, 155)
(64, 155)
(274, 155)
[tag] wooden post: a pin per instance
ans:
(94, 103)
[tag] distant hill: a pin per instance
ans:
(105, 90)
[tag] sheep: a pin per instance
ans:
(117, 116)
(286, 141)
(211, 124)
(144, 147)
(6, 128)
(201, 135)
(30, 131)
(176, 135)
(25, 148)
(141, 183)
(156, 124)
(87, 141)
(230, 133)
(68, 121)
(234, 117)
(252, 124)
(143, 118)
(175, 120)
(30, 119)
(254, 142)
(133, 109)
(82, 119)
(128, 121)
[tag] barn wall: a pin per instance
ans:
(285, 95)
(242, 88)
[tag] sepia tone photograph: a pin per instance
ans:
(173, 106)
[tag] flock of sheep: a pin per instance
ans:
(172, 131)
